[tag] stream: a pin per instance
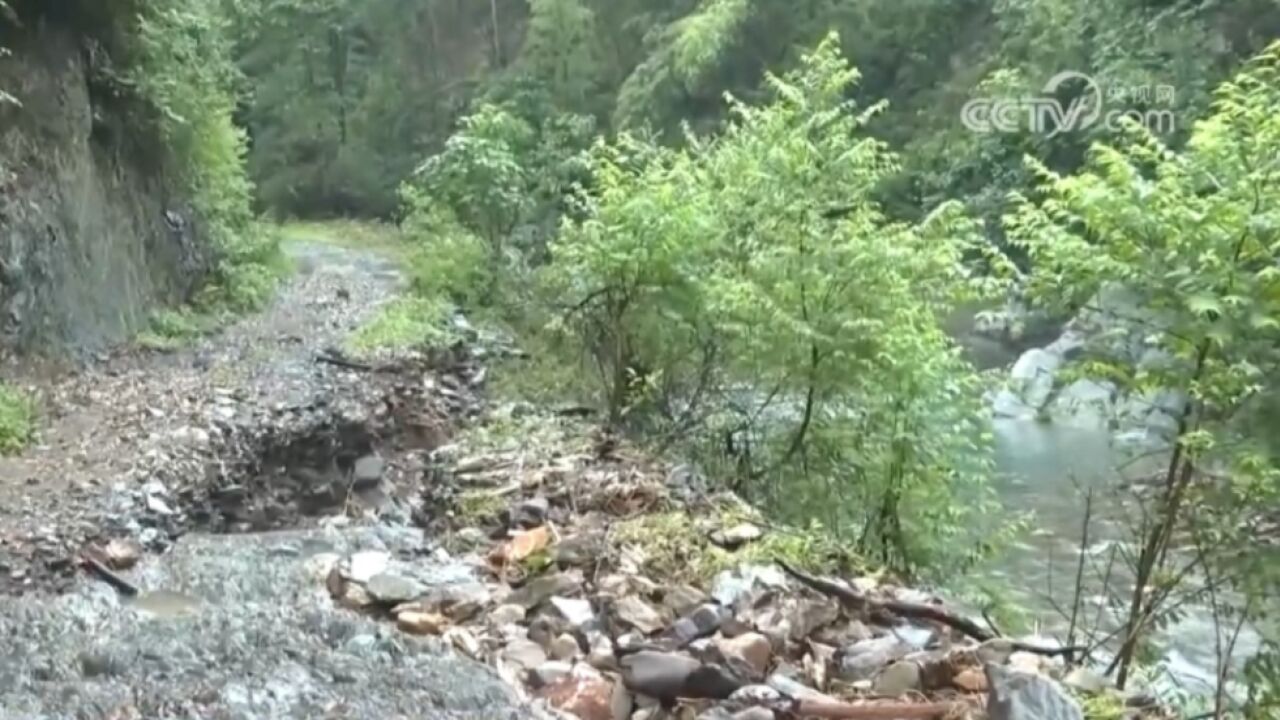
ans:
(1046, 470)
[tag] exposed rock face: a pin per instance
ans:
(91, 232)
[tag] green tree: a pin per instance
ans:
(182, 64)
(1195, 235)
(751, 285)
(479, 175)
(560, 51)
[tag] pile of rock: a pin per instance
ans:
(1113, 324)
(565, 607)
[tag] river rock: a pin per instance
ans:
(549, 672)
(564, 647)
(355, 596)
(1017, 695)
(996, 651)
(575, 611)
(797, 690)
(682, 599)
(122, 554)
(897, 679)
(733, 586)
(1084, 680)
(600, 654)
(736, 536)
(529, 513)
(540, 589)
(578, 550)
(861, 661)
(392, 588)
(702, 622)
(753, 649)
(658, 674)
(638, 614)
(1032, 377)
(584, 697)
(365, 564)
(506, 615)
(367, 473)
(524, 654)
(1086, 404)
(421, 623)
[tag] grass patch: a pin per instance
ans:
(17, 419)
(676, 545)
(1104, 706)
(244, 282)
(403, 324)
(382, 238)
(170, 329)
(479, 507)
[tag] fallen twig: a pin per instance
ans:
(99, 568)
(342, 362)
(854, 599)
(882, 711)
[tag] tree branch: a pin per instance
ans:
(918, 611)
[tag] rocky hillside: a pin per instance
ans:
(91, 231)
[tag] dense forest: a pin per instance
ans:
(741, 228)
(746, 218)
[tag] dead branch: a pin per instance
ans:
(99, 568)
(883, 711)
(918, 611)
(342, 362)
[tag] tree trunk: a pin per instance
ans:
(497, 36)
(1178, 475)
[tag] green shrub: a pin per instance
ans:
(170, 328)
(749, 290)
(676, 545)
(17, 419)
(182, 65)
(447, 262)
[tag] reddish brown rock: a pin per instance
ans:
(588, 698)
(971, 680)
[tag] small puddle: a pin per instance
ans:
(166, 603)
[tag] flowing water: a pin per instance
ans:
(1046, 470)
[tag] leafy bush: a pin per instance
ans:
(479, 175)
(749, 291)
(448, 261)
(17, 419)
(182, 65)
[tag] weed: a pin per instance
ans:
(676, 545)
(17, 419)
(478, 507)
(405, 323)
